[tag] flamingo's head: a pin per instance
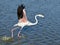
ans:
(40, 15)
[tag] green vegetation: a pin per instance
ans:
(7, 39)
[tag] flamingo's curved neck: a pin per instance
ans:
(36, 19)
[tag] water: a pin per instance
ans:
(46, 32)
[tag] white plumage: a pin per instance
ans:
(28, 23)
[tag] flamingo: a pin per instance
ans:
(23, 21)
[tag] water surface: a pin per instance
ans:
(46, 32)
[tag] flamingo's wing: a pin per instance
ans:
(19, 12)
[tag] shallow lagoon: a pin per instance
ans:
(46, 32)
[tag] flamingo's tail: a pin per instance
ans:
(15, 25)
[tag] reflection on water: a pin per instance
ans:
(46, 32)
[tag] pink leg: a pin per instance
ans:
(12, 31)
(19, 33)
